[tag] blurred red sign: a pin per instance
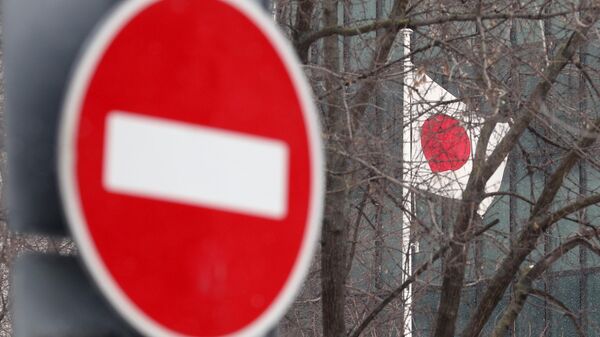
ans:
(190, 167)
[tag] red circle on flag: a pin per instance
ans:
(445, 143)
(167, 89)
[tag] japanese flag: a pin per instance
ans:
(440, 138)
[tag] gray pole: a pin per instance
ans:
(265, 4)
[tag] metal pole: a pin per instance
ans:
(409, 169)
(265, 4)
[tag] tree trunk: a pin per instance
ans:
(335, 229)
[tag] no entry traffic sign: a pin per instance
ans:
(191, 167)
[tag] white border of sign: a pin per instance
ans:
(69, 189)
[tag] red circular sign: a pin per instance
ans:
(190, 167)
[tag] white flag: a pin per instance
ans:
(440, 137)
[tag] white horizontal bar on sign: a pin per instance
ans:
(187, 163)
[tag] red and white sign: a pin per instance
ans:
(191, 167)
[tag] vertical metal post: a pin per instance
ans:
(265, 4)
(40, 40)
(408, 168)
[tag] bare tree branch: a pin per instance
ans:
(400, 22)
(398, 291)
(523, 287)
(570, 314)
(537, 224)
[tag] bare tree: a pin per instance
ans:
(533, 65)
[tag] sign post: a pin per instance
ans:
(49, 292)
(191, 168)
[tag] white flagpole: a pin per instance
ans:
(408, 171)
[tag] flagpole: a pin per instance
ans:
(408, 172)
